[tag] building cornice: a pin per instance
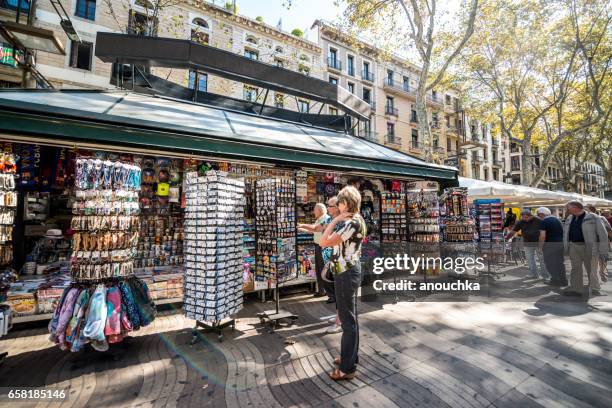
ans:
(255, 25)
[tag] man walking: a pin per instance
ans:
(530, 229)
(585, 240)
(551, 244)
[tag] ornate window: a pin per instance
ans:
(200, 31)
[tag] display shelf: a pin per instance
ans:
(393, 218)
(423, 217)
(457, 224)
(276, 233)
(32, 318)
(213, 246)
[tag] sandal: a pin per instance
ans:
(337, 361)
(337, 375)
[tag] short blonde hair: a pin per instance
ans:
(350, 196)
(321, 207)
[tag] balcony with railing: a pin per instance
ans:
(453, 107)
(334, 63)
(391, 111)
(368, 135)
(497, 162)
(397, 87)
(451, 152)
(435, 99)
(367, 76)
(478, 158)
(439, 150)
(453, 129)
(416, 146)
(474, 140)
(393, 141)
(372, 105)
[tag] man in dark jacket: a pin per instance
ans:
(585, 240)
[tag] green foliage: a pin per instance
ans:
(297, 32)
(543, 68)
(229, 6)
(260, 19)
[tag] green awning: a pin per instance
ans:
(122, 118)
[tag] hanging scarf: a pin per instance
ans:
(53, 323)
(96, 316)
(113, 319)
(78, 315)
(65, 316)
(130, 305)
(78, 338)
(144, 305)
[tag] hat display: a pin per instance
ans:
(54, 234)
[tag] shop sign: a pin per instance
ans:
(487, 201)
(454, 161)
(422, 185)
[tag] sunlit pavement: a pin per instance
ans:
(543, 350)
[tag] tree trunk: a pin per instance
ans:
(424, 129)
(527, 161)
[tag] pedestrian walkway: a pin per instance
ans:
(535, 352)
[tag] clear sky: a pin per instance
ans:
(300, 15)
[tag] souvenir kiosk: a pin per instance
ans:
(168, 131)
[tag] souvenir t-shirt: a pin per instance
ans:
(349, 250)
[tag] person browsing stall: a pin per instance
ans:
(551, 244)
(529, 226)
(332, 208)
(346, 267)
(322, 219)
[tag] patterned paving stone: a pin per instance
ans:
(469, 355)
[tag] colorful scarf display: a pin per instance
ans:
(102, 316)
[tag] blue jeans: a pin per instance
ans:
(531, 253)
(346, 285)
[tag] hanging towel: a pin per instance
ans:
(126, 325)
(96, 316)
(144, 305)
(65, 315)
(79, 339)
(130, 305)
(78, 315)
(53, 323)
(112, 330)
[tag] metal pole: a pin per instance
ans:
(263, 104)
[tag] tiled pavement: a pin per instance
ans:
(540, 351)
